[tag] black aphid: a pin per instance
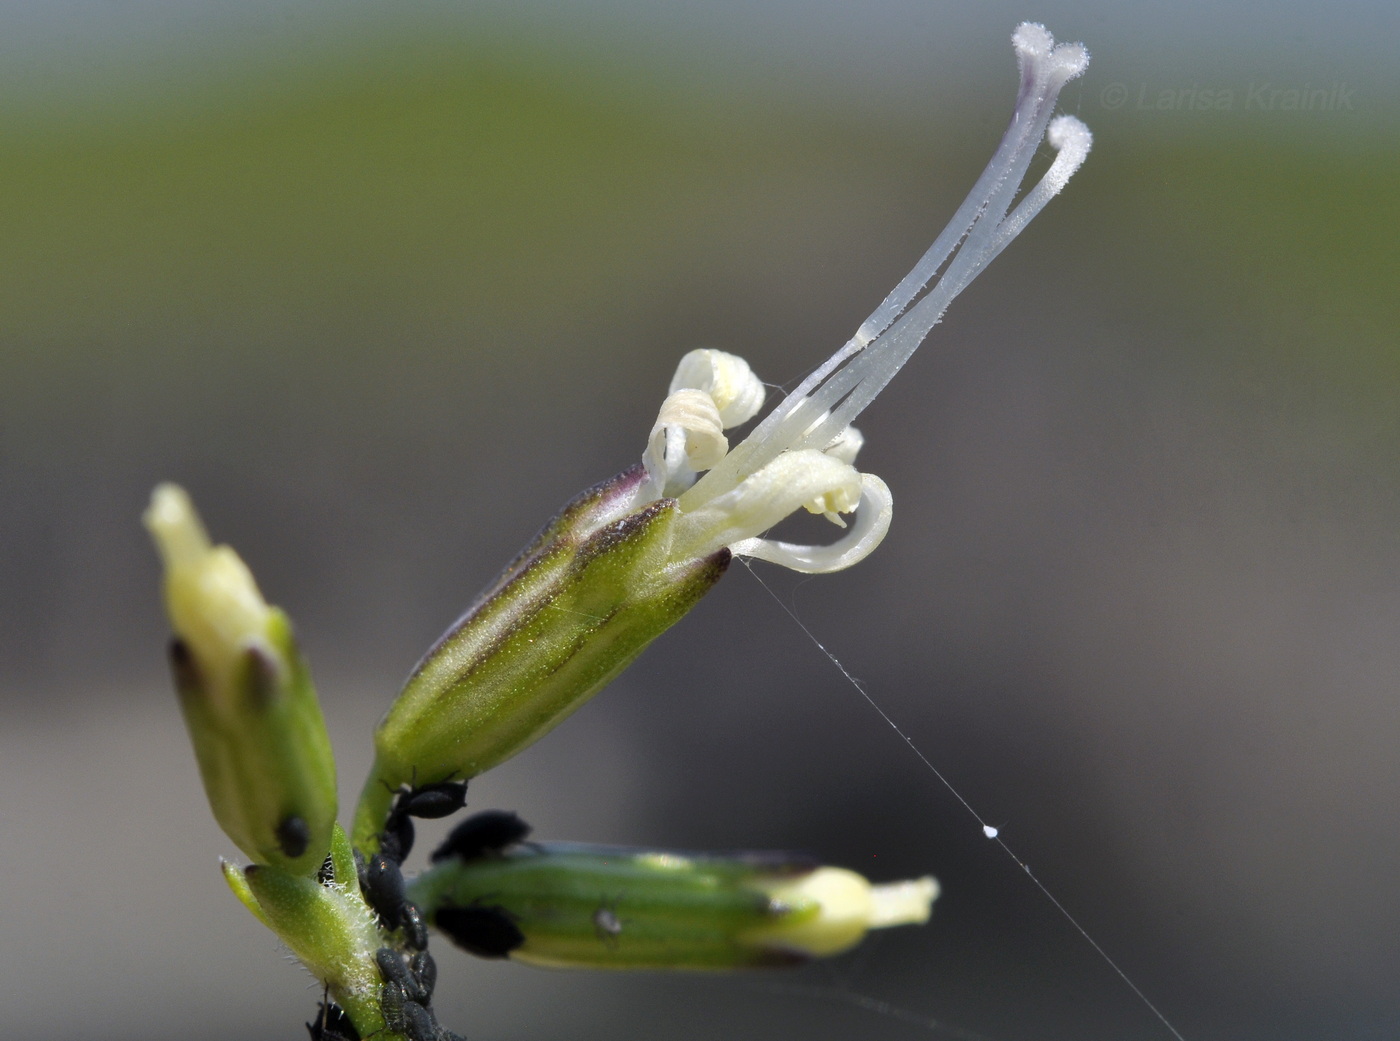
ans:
(381, 882)
(415, 930)
(396, 840)
(332, 1024)
(392, 999)
(429, 802)
(419, 1024)
(490, 831)
(433, 800)
(424, 970)
(394, 969)
(487, 932)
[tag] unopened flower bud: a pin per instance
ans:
(578, 605)
(247, 697)
(573, 905)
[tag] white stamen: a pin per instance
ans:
(850, 379)
(1072, 140)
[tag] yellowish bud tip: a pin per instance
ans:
(902, 903)
(210, 595)
(831, 909)
(171, 519)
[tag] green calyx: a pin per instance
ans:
(578, 605)
(325, 924)
(606, 907)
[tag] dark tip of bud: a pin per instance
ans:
(263, 674)
(293, 836)
(326, 874)
(490, 831)
(183, 667)
(487, 932)
(608, 537)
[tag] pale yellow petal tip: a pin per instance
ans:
(173, 523)
(902, 903)
(831, 909)
(212, 599)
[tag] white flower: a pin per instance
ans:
(802, 454)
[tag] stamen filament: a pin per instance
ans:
(832, 396)
(974, 206)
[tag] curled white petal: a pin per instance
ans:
(727, 378)
(868, 530)
(694, 412)
(847, 445)
(688, 436)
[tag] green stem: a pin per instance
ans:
(372, 811)
(365, 1013)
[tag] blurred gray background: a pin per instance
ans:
(384, 284)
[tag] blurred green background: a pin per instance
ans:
(382, 291)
